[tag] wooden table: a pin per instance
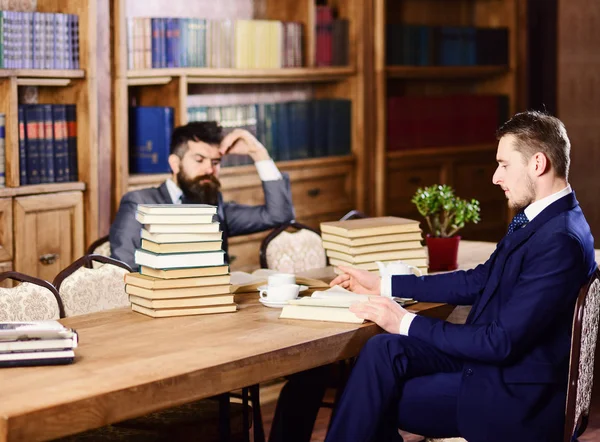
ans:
(128, 365)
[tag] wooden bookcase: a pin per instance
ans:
(469, 169)
(43, 226)
(323, 188)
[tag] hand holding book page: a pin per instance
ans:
(383, 311)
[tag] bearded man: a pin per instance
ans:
(195, 159)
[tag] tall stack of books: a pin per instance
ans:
(362, 242)
(36, 343)
(182, 264)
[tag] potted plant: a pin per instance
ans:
(445, 214)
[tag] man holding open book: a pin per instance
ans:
(195, 157)
(502, 376)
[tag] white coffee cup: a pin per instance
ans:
(397, 268)
(280, 279)
(280, 293)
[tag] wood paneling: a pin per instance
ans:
(6, 229)
(578, 97)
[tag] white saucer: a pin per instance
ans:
(272, 304)
(265, 286)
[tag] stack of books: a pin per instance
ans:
(182, 264)
(36, 343)
(361, 243)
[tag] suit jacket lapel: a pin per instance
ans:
(512, 242)
(163, 191)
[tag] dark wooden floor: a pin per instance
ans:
(268, 407)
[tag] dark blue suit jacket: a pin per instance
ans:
(516, 341)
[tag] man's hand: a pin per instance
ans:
(382, 310)
(242, 142)
(358, 281)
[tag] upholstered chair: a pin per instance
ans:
(32, 300)
(292, 252)
(87, 290)
(99, 247)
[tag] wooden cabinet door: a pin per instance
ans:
(48, 233)
(6, 229)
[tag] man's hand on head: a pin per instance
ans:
(242, 142)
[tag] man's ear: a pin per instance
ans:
(539, 164)
(174, 163)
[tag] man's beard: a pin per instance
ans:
(527, 199)
(195, 191)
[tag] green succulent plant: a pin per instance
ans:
(445, 212)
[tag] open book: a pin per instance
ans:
(242, 282)
(329, 305)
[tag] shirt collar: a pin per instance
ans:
(174, 191)
(534, 209)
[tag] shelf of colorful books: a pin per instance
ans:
(435, 151)
(445, 72)
(145, 180)
(38, 189)
(229, 76)
(42, 73)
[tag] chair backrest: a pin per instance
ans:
(353, 214)
(99, 247)
(33, 300)
(87, 290)
(583, 349)
(292, 252)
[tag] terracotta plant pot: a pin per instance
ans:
(443, 253)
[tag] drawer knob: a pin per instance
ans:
(314, 192)
(48, 258)
(414, 180)
(232, 258)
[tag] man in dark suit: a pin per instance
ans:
(502, 376)
(195, 156)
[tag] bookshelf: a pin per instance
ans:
(323, 188)
(43, 226)
(469, 167)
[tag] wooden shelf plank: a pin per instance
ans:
(138, 180)
(42, 73)
(445, 72)
(37, 189)
(435, 151)
(222, 76)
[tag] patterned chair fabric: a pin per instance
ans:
(87, 290)
(28, 302)
(296, 252)
(583, 349)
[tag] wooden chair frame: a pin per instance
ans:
(22, 277)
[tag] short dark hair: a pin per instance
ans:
(539, 132)
(209, 132)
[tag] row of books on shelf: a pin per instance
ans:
(195, 42)
(47, 143)
(39, 40)
(182, 266)
(332, 38)
(289, 130)
(446, 46)
(447, 120)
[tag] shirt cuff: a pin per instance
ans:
(386, 285)
(267, 170)
(407, 319)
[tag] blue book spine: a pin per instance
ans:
(183, 42)
(2, 150)
(59, 120)
(149, 139)
(163, 42)
(155, 42)
(34, 129)
(47, 153)
(22, 146)
(73, 172)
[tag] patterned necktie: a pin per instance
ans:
(519, 220)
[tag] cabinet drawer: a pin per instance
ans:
(402, 183)
(326, 196)
(474, 180)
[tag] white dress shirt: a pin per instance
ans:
(267, 171)
(531, 211)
